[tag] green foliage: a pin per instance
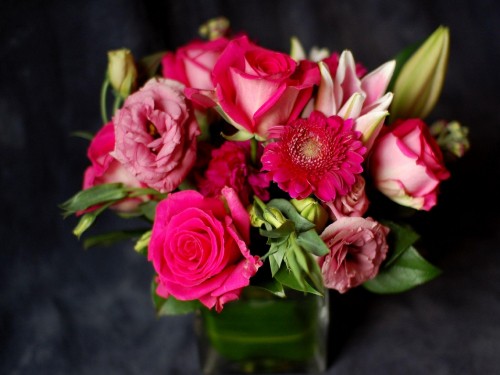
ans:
(172, 306)
(293, 243)
(405, 268)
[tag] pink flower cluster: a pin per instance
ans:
(312, 129)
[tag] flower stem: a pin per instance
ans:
(104, 91)
(117, 103)
(253, 151)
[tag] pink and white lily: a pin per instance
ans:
(364, 100)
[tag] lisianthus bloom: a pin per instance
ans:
(105, 169)
(343, 93)
(354, 203)
(320, 155)
(357, 248)
(156, 134)
(199, 248)
(193, 63)
(407, 164)
(256, 88)
(230, 165)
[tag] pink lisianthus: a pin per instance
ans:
(230, 166)
(193, 63)
(320, 155)
(156, 134)
(407, 164)
(354, 203)
(256, 88)
(105, 169)
(357, 248)
(199, 248)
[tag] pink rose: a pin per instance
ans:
(357, 248)
(407, 164)
(257, 88)
(199, 248)
(354, 203)
(230, 166)
(105, 169)
(156, 134)
(192, 64)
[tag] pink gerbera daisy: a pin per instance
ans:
(320, 155)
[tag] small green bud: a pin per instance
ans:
(255, 221)
(141, 246)
(122, 71)
(311, 210)
(451, 136)
(214, 28)
(274, 217)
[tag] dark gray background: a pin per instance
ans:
(64, 310)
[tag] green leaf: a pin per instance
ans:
(172, 306)
(110, 238)
(93, 196)
(150, 64)
(283, 231)
(148, 209)
(273, 286)
(401, 238)
(312, 242)
(409, 270)
(301, 223)
(83, 134)
(286, 278)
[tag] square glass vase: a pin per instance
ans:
(265, 334)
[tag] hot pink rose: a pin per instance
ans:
(192, 64)
(407, 164)
(354, 203)
(199, 248)
(257, 88)
(156, 134)
(106, 169)
(357, 248)
(230, 166)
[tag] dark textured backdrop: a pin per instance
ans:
(64, 310)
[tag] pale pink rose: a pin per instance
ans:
(156, 134)
(105, 169)
(354, 203)
(357, 248)
(257, 88)
(199, 248)
(230, 165)
(407, 164)
(193, 63)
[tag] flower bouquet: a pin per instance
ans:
(265, 179)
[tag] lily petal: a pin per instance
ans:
(375, 83)
(370, 125)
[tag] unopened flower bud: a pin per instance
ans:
(420, 81)
(214, 28)
(311, 210)
(255, 221)
(451, 137)
(274, 217)
(122, 71)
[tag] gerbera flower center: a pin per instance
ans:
(310, 148)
